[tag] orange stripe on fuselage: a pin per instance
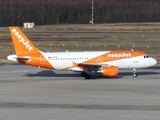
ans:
(114, 55)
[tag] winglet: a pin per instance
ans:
(22, 44)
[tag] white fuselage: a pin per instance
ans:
(61, 60)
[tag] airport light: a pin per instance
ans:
(92, 12)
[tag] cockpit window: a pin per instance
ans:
(146, 56)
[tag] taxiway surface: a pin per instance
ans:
(29, 93)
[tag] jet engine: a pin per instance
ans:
(109, 71)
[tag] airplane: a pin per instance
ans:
(106, 63)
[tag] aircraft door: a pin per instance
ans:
(135, 58)
(42, 60)
(99, 59)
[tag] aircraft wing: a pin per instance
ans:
(95, 67)
(93, 64)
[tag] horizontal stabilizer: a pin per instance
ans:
(15, 58)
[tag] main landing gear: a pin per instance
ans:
(87, 76)
(134, 72)
(84, 74)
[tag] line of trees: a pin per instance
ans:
(42, 12)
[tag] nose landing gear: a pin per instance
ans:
(134, 72)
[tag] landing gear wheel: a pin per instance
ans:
(134, 75)
(83, 74)
(134, 72)
(87, 76)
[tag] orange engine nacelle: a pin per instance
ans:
(110, 71)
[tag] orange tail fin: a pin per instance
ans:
(22, 44)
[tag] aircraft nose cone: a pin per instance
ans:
(154, 61)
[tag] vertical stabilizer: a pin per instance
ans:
(22, 44)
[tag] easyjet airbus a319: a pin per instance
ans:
(106, 63)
